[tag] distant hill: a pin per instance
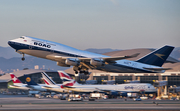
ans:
(8, 65)
(101, 51)
(176, 53)
(8, 52)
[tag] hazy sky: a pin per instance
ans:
(117, 24)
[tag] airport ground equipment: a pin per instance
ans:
(75, 97)
(96, 95)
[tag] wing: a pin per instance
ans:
(14, 86)
(48, 87)
(106, 59)
(89, 63)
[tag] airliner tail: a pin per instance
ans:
(157, 57)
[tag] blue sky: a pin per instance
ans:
(117, 24)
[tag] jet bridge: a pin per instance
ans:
(174, 92)
(160, 85)
(174, 89)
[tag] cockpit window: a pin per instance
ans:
(22, 37)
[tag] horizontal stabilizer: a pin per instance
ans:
(29, 86)
(64, 86)
(119, 57)
(47, 87)
(157, 69)
(14, 86)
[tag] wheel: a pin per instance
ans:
(81, 72)
(76, 72)
(86, 72)
(23, 59)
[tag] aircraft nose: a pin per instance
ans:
(12, 44)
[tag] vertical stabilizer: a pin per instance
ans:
(29, 81)
(15, 79)
(47, 79)
(157, 57)
(67, 80)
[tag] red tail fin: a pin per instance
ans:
(14, 78)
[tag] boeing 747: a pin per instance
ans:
(82, 60)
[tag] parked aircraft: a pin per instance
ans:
(34, 85)
(51, 85)
(82, 60)
(69, 83)
(17, 83)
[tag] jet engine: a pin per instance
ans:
(62, 64)
(72, 62)
(97, 62)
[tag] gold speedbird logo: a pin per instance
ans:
(160, 55)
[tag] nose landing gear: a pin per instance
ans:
(23, 58)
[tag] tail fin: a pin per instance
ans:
(47, 79)
(67, 80)
(29, 81)
(157, 57)
(15, 79)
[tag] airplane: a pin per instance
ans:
(69, 83)
(51, 85)
(17, 83)
(33, 85)
(82, 61)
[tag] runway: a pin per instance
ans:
(22, 102)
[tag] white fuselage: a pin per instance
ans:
(43, 48)
(38, 87)
(20, 86)
(56, 88)
(132, 87)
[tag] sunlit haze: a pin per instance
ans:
(116, 24)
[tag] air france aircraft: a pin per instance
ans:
(82, 60)
(17, 83)
(69, 83)
(51, 85)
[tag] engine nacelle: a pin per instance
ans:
(62, 64)
(97, 62)
(72, 62)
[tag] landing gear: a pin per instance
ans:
(76, 72)
(23, 58)
(80, 70)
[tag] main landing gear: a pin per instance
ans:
(85, 72)
(80, 70)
